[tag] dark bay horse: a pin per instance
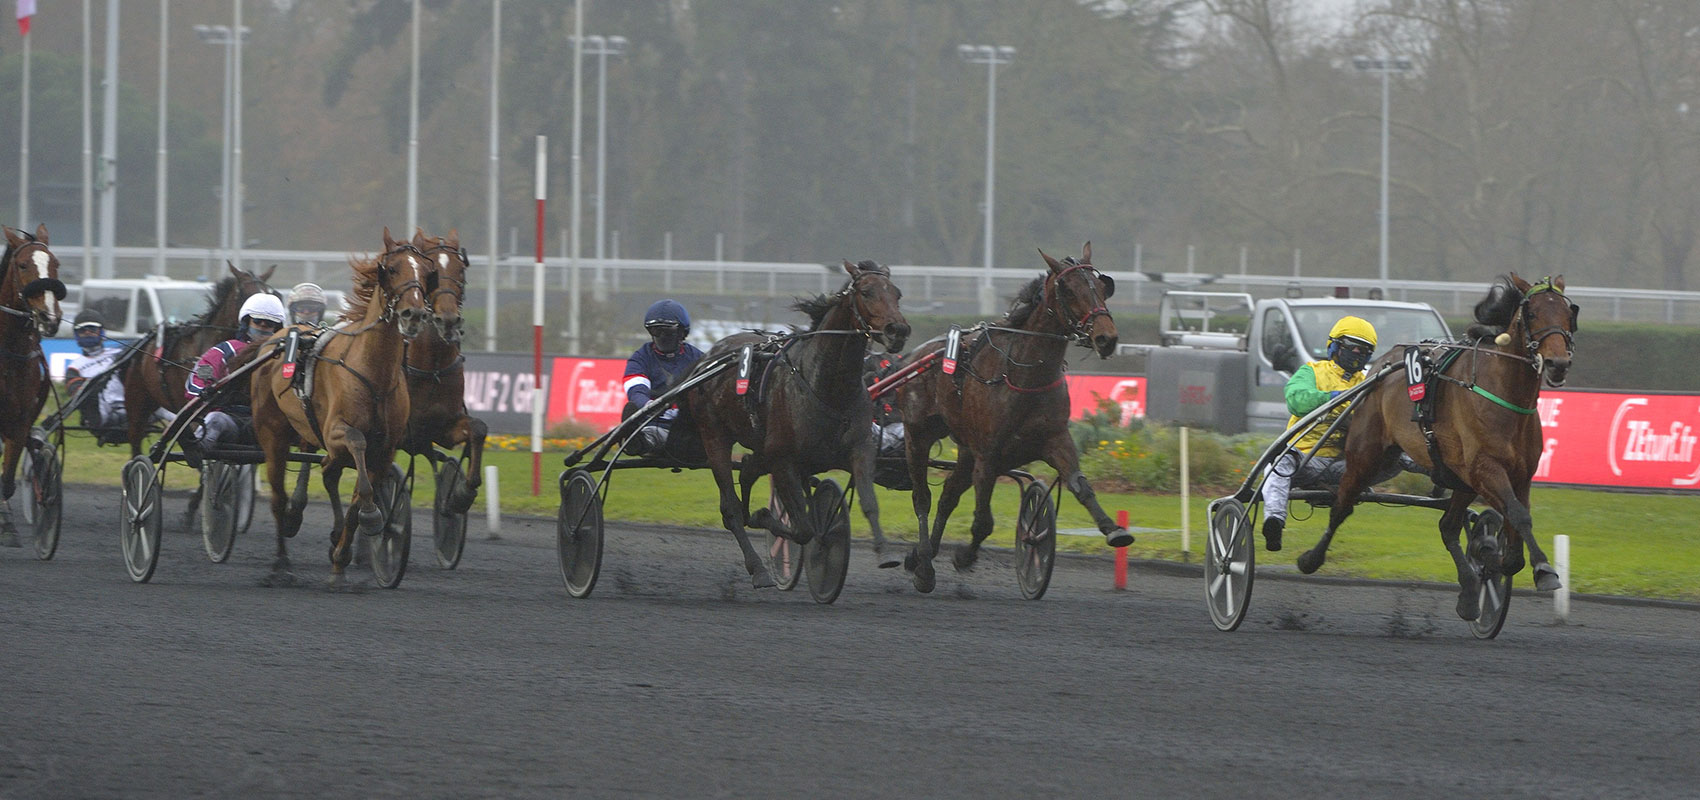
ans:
(813, 413)
(30, 291)
(155, 382)
(435, 368)
(1486, 429)
(358, 409)
(1007, 404)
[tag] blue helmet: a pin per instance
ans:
(668, 313)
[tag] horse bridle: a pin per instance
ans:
(1536, 337)
(42, 285)
(396, 292)
(459, 289)
(1081, 328)
(862, 325)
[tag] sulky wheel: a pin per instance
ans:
(1229, 564)
(139, 515)
(1035, 540)
(43, 504)
(448, 529)
(220, 516)
(578, 532)
(1495, 592)
(248, 494)
(784, 561)
(826, 558)
(389, 548)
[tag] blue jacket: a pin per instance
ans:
(649, 373)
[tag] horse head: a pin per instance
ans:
(31, 280)
(445, 281)
(1549, 325)
(1076, 294)
(874, 300)
(401, 274)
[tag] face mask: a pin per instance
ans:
(1350, 358)
(88, 341)
(667, 340)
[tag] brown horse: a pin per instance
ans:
(1007, 404)
(358, 409)
(1486, 429)
(30, 291)
(155, 382)
(436, 374)
(812, 414)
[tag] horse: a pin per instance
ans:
(157, 382)
(1486, 431)
(358, 408)
(30, 292)
(1007, 405)
(435, 368)
(810, 413)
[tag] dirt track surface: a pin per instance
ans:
(675, 679)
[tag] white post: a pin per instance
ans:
(492, 498)
(24, 144)
(1561, 562)
(237, 192)
(413, 130)
(1186, 492)
(495, 172)
(160, 153)
(577, 169)
(537, 321)
(109, 146)
(88, 148)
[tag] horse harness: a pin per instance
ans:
(23, 318)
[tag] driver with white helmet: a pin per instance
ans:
(307, 305)
(261, 316)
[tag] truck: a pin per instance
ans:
(1224, 358)
(131, 307)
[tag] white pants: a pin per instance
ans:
(1286, 473)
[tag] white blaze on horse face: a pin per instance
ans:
(42, 260)
(442, 261)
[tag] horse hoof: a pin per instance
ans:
(886, 558)
(1546, 578)
(1311, 561)
(911, 559)
(761, 520)
(371, 522)
(1469, 604)
(964, 557)
(460, 501)
(1118, 538)
(762, 579)
(924, 577)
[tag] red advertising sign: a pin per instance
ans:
(1642, 441)
(1127, 391)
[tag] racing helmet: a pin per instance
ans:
(667, 313)
(307, 299)
(88, 317)
(262, 306)
(1350, 343)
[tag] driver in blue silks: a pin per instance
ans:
(656, 367)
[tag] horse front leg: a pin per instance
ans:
(471, 432)
(985, 481)
(719, 453)
(1469, 584)
(958, 481)
(862, 478)
(8, 485)
(1511, 501)
(1061, 454)
(1354, 481)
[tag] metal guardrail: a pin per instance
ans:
(935, 289)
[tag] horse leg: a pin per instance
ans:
(1514, 505)
(472, 432)
(985, 480)
(8, 485)
(341, 545)
(719, 454)
(1469, 584)
(1061, 454)
(950, 494)
(788, 485)
(862, 477)
(277, 474)
(1354, 481)
(920, 494)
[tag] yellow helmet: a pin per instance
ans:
(1354, 328)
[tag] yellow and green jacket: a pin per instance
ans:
(1309, 388)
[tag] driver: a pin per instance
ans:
(307, 305)
(260, 317)
(656, 367)
(105, 410)
(1350, 343)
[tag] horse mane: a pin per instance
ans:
(1493, 312)
(220, 293)
(1026, 301)
(816, 307)
(365, 283)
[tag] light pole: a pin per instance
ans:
(161, 157)
(494, 169)
(602, 47)
(993, 56)
(1385, 66)
(413, 130)
(220, 35)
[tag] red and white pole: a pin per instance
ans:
(537, 392)
(1121, 555)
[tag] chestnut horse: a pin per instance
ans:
(812, 413)
(436, 370)
(30, 291)
(157, 381)
(358, 410)
(1486, 429)
(1007, 404)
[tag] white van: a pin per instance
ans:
(133, 306)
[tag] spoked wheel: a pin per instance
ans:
(221, 484)
(1229, 565)
(578, 533)
(43, 502)
(247, 495)
(389, 548)
(1495, 592)
(826, 558)
(784, 561)
(1035, 540)
(448, 529)
(139, 514)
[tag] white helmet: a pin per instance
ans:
(262, 306)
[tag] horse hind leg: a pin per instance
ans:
(1469, 583)
(8, 485)
(984, 482)
(862, 479)
(732, 512)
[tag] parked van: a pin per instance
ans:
(133, 306)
